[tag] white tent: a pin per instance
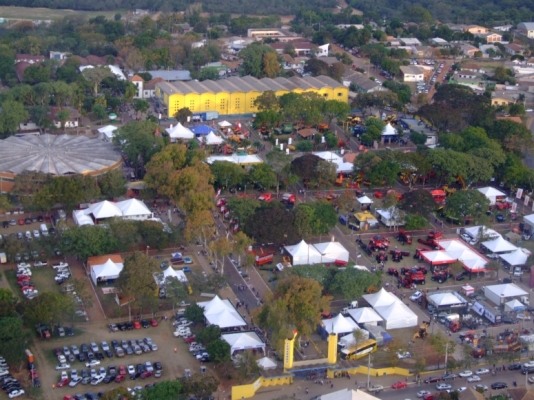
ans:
(224, 124)
(211, 139)
(364, 200)
(446, 299)
(108, 270)
(170, 272)
(380, 298)
(332, 252)
(243, 341)
(397, 315)
(104, 209)
(266, 363)
(221, 313)
(499, 245)
(134, 209)
(491, 194)
(107, 132)
(500, 294)
(304, 254)
(339, 324)
(514, 306)
(179, 132)
(348, 394)
(365, 315)
(476, 232)
(517, 257)
(389, 130)
(529, 220)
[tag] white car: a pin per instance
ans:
(531, 379)
(97, 380)
(92, 363)
(416, 296)
(131, 370)
(423, 393)
(73, 382)
(482, 371)
(466, 374)
(16, 393)
(443, 386)
(36, 234)
(59, 367)
(404, 354)
(474, 378)
(458, 390)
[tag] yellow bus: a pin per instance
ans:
(359, 350)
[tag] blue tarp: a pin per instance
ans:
(202, 130)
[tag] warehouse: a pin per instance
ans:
(236, 95)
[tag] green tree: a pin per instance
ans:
(419, 202)
(267, 101)
(183, 115)
(112, 184)
(96, 76)
(13, 339)
(334, 109)
(138, 143)
(49, 307)
(12, 113)
(137, 279)
(255, 60)
(467, 203)
(166, 390)
(194, 313)
(352, 283)
(126, 233)
(247, 366)
(152, 234)
(209, 334)
(263, 175)
(86, 241)
(243, 208)
(227, 174)
(271, 65)
(200, 385)
(7, 303)
(140, 106)
(415, 221)
(280, 229)
(219, 351)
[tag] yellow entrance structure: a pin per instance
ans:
(236, 95)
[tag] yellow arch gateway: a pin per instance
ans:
(236, 95)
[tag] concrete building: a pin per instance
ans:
(526, 29)
(412, 73)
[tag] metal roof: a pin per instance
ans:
(248, 83)
(56, 154)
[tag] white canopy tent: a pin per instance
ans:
(389, 130)
(365, 315)
(243, 341)
(221, 313)
(349, 339)
(441, 299)
(134, 209)
(500, 294)
(339, 324)
(529, 220)
(514, 306)
(481, 231)
(224, 124)
(266, 363)
(348, 394)
(499, 245)
(304, 254)
(104, 209)
(364, 200)
(179, 132)
(517, 257)
(397, 315)
(380, 298)
(170, 272)
(491, 194)
(107, 271)
(211, 139)
(107, 132)
(332, 252)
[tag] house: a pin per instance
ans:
(491, 37)
(138, 82)
(149, 88)
(526, 29)
(504, 98)
(412, 73)
(58, 55)
(468, 50)
(475, 29)
(410, 42)
(73, 117)
(439, 42)
(301, 47)
(282, 35)
(361, 83)
(514, 49)
(173, 75)
(29, 58)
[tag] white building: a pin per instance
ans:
(412, 73)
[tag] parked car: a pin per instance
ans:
(416, 296)
(499, 385)
(443, 386)
(399, 385)
(474, 378)
(466, 374)
(482, 371)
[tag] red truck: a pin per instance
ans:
(264, 259)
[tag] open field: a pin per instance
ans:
(48, 13)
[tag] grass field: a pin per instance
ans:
(48, 13)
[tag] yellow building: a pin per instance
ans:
(236, 95)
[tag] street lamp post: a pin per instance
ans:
(368, 371)
(147, 248)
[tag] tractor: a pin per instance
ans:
(422, 332)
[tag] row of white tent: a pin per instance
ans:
(180, 132)
(308, 254)
(126, 209)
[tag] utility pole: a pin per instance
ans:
(368, 370)
(446, 355)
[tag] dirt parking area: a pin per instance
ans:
(172, 353)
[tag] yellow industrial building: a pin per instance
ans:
(236, 95)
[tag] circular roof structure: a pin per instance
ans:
(57, 155)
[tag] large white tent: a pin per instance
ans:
(397, 315)
(221, 313)
(443, 299)
(332, 252)
(517, 257)
(364, 200)
(365, 315)
(243, 341)
(304, 254)
(211, 139)
(349, 340)
(104, 209)
(170, 272)
(107, 132)
(458, 250)
(481, 231)
(107, 271)
(499, 245)
(134, 209)
(179, 132)
(224, 124)
(389, 130)
(500, 294)
(380, 298)
(514, 306)
(266, 363)
(339, 324)
(491, 194)
(437, 257)
(348, 394)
